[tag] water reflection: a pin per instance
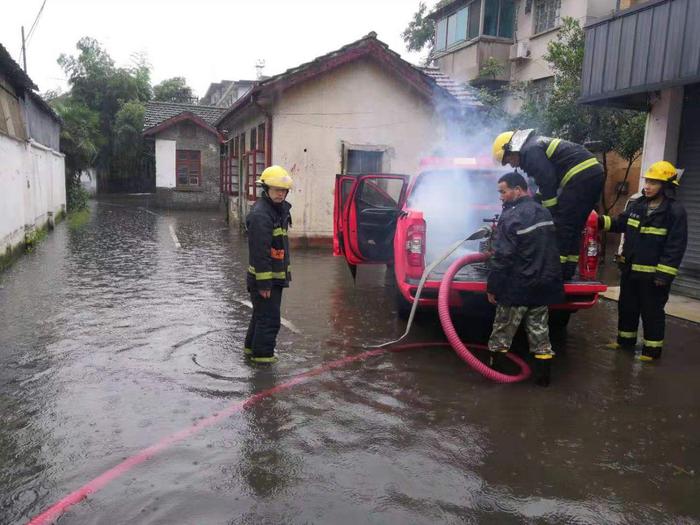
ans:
(112, 337)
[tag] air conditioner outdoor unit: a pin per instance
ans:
(520, 50)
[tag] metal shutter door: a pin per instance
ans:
(688, 281)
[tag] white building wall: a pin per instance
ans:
(358, 104)
(165, 163)
(662, 132)
(535, 67)
(32, 186)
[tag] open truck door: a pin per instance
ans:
(366, 208)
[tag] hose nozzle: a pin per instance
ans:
(481, 233)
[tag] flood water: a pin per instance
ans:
(122, 331)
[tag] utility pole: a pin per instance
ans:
(24, 51)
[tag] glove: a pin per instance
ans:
(660, 282)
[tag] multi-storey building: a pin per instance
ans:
(473, 34)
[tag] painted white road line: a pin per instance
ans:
(285, 322)
(148, 211)
(172, 234)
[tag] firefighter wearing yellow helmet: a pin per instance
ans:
(570, 181)
(656, 234)
(268, 262)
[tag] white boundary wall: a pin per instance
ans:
(32, 184)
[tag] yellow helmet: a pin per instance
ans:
(499, 145)
(276, 177)
(663, 171)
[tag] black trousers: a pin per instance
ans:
(264, 323)
(575, 203)
(641, 297)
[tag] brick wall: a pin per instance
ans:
(191, 137)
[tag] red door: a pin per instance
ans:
(364, 216)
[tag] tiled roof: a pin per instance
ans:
(462, 92)
(19, 79)
(13, 72)
(430, 81)
(157, 112)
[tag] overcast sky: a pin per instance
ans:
(203, 40)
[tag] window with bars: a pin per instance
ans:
(188, 168)
(253, 139)
(540, 90)
(547, 14)
(230, 168)
(361, 161)
(261, 137)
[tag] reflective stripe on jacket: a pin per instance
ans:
(553, 163)
(268, 245)
(654, 242)
(525, 268)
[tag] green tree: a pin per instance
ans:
(173, 90)
(420, 31)
(128, 142)
(81, 141)
(97, 84)
(621, 131)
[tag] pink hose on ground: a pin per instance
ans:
(55, 511)
(449, 329)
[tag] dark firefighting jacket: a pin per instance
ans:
(268, 245)
(553, 163)
(525, 268)
(654, 242)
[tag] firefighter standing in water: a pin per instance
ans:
(570, 181)
(525, 274)
(656, 234)
(268, 270)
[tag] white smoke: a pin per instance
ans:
(456, 203)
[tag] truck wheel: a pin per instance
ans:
(558, 319)
(403, 307)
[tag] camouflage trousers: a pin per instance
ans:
(507, 321)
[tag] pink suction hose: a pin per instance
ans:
(449, 329)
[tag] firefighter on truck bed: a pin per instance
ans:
(570, 181)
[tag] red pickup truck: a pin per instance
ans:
(390, 219)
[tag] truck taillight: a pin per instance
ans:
(415, 245)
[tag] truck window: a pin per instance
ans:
(381, 193)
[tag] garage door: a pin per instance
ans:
(688, 280)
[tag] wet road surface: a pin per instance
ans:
(120, 332)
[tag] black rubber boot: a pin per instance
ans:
(542, 371)
(499, 361)
(650, 354)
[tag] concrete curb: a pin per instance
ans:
(677, 306)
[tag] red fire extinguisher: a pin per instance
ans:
(590, 248)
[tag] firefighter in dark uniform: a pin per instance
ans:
(525, 274)
(570, 181)
(268, 270)
(656, 233)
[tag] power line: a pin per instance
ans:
(36, 20)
